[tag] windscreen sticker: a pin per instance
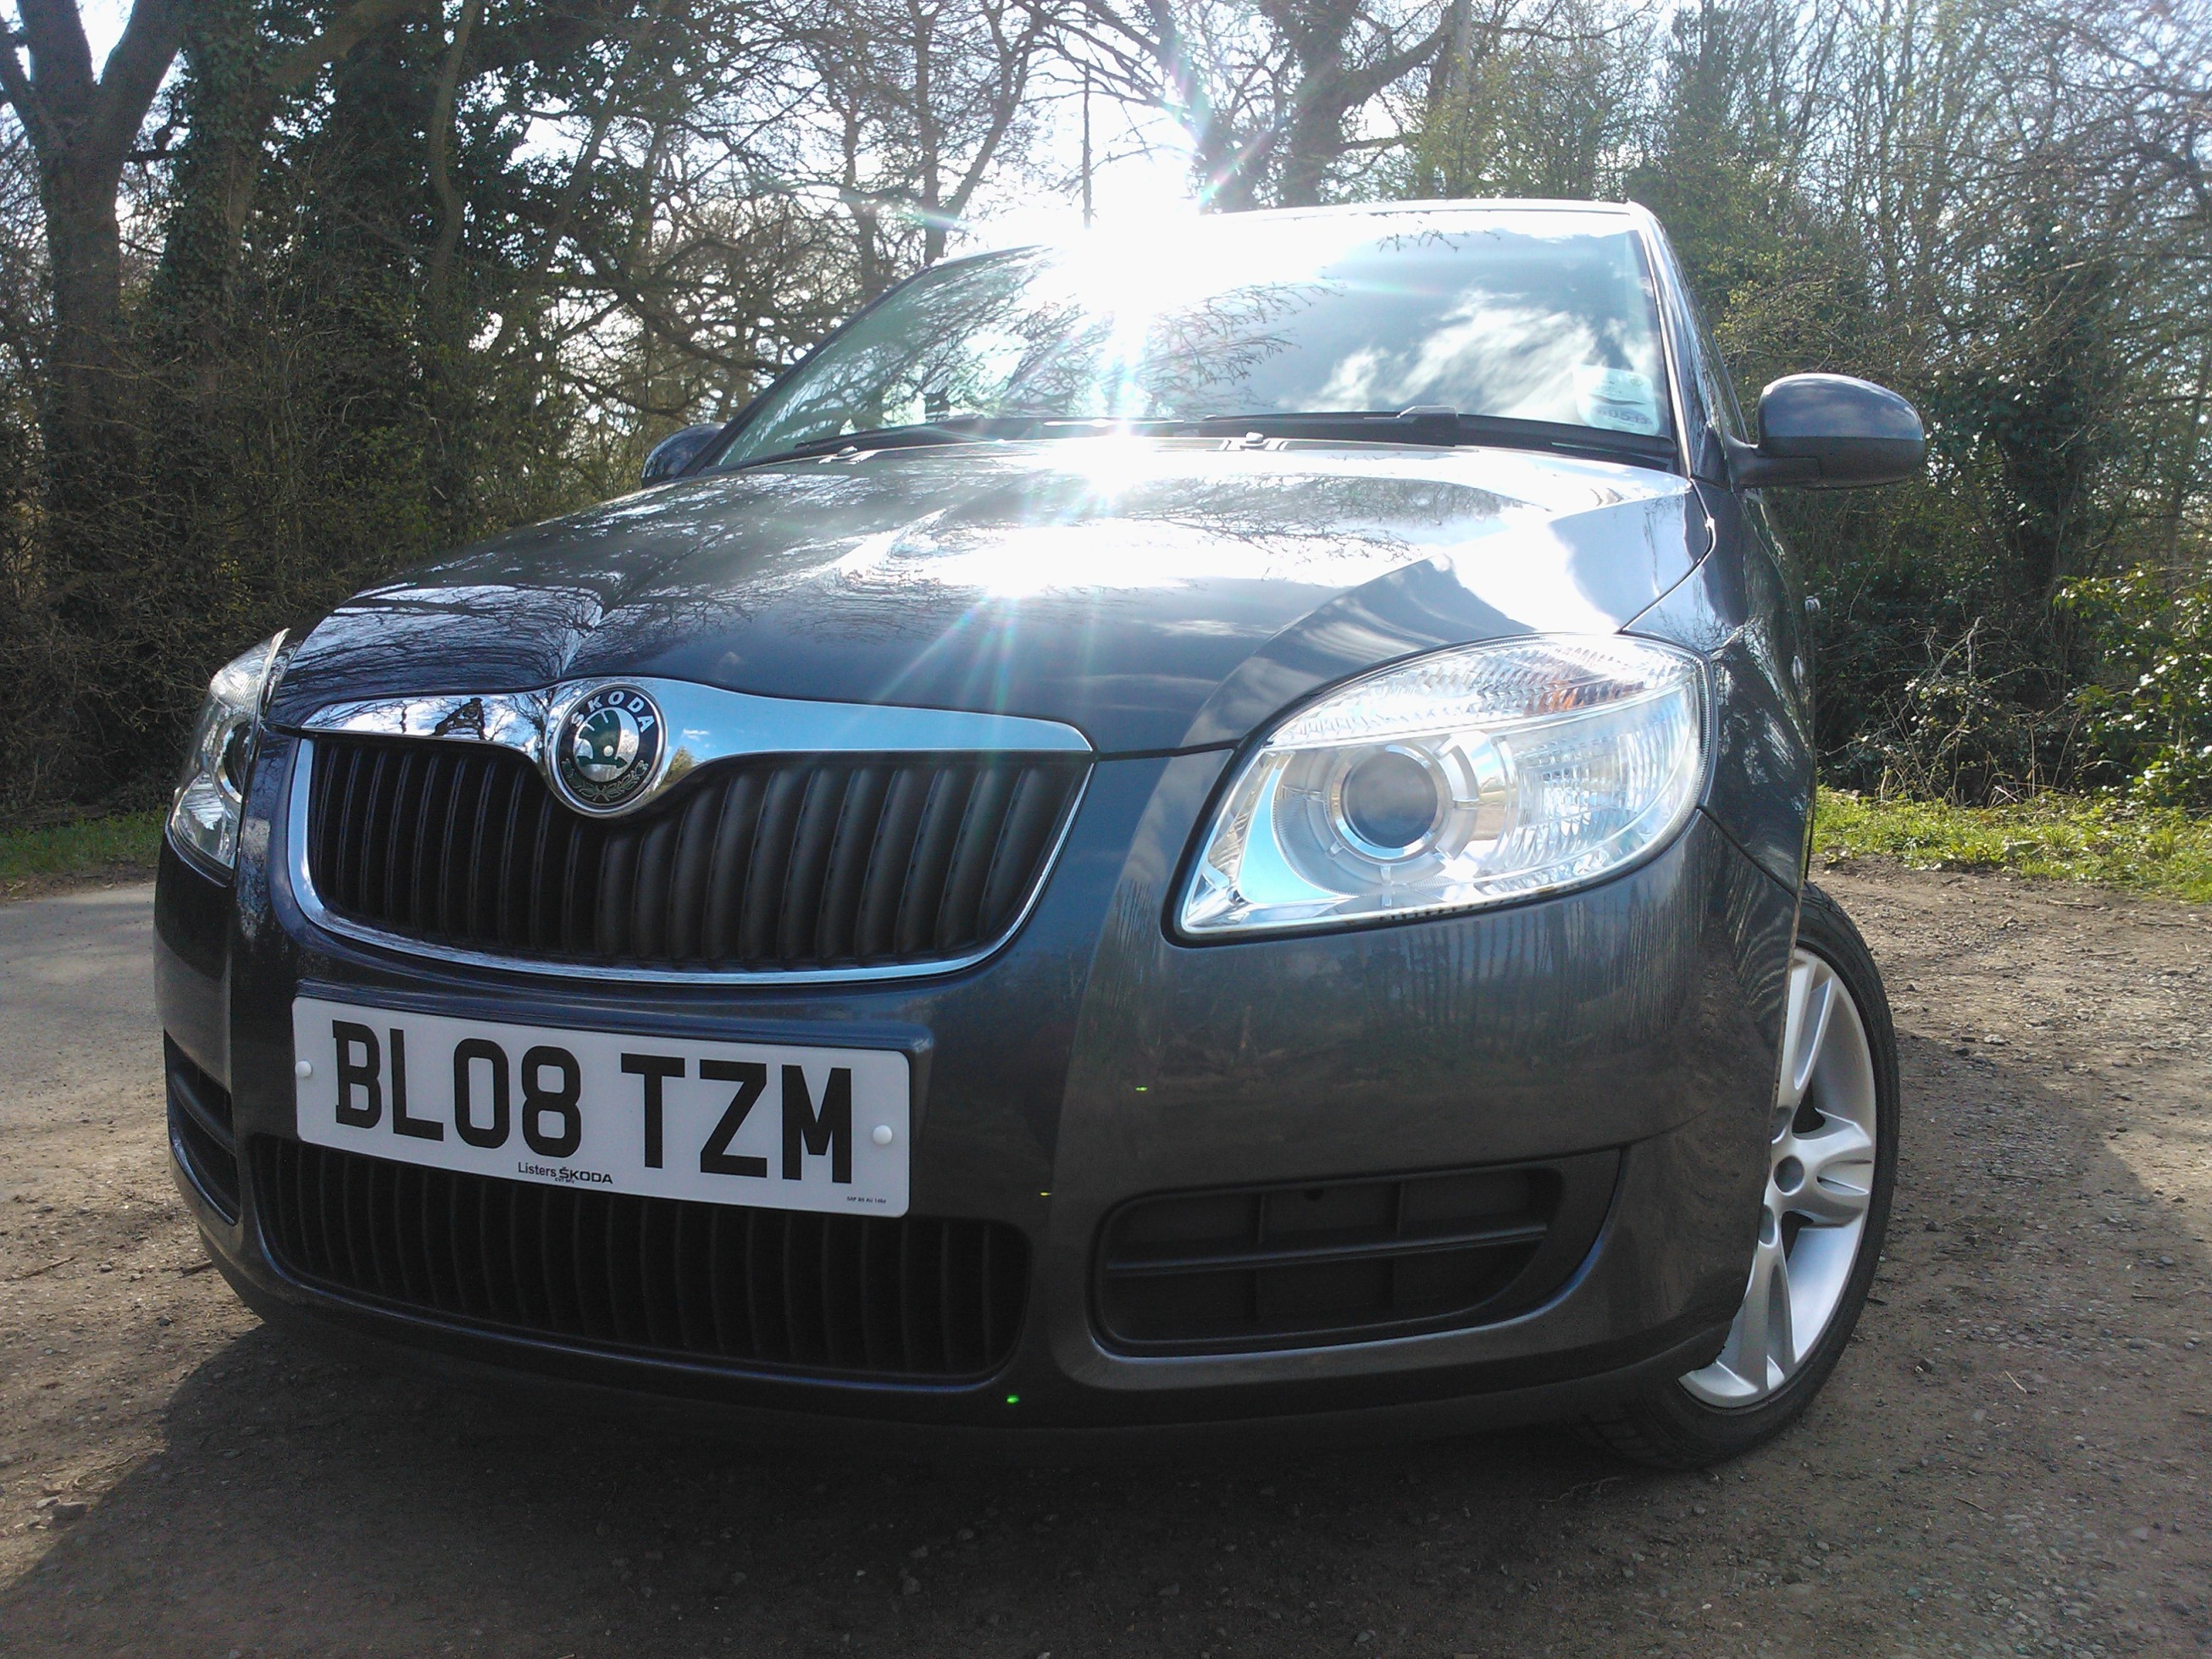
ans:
(1616, 399)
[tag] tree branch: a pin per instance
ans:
(347, 30)
(17, 85)
(133, 73)
(441, 144)
(61, 60)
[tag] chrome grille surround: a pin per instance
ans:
(706, 724)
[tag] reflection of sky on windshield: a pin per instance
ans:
(1528, 314)
(1526, 356)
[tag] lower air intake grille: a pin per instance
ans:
(867, 1295)
(199, 1130)
(773, 865)
(1252, 1267)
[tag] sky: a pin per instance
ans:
(1137, 175)
(103, 24)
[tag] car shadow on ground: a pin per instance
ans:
(307, 1503)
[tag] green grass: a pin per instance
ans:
(84, 847)
(2067, 837)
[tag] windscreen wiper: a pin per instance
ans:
(949, 429)
(1431, 425)
(1442, 426)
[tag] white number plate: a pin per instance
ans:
(783, 1127)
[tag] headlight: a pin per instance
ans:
(1470, 777)
(211, 795)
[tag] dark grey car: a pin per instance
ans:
(1162, 834)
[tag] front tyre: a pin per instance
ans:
(1831, 1162)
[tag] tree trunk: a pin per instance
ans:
(82, 129)
(91, 384)
(232, 88)
(228, 104)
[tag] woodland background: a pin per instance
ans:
(294, 292)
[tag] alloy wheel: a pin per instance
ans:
(1819, 1185)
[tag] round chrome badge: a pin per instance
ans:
(608, 748)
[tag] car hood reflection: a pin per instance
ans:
(1155, 594)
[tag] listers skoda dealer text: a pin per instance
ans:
(1155, 837)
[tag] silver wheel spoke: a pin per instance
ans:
(1767, 1315)
(1837, 1160)
(1821, 1175)
(1814, 1011)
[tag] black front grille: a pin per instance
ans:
(1250, 1267)
(199, 1129)
(759, 864)
(869, 1295)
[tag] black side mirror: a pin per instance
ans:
(678, 451)
(1829, 432)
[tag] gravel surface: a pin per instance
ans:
(2013, 1458)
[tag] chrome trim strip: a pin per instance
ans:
(514, 720)
(302, 882)
(705, 723)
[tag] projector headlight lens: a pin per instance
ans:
(1470, 777)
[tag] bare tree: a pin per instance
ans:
(922, 100)
(1269, 93)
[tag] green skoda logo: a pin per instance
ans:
(608, 748)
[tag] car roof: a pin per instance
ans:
(1623, 215)
(1625, 212)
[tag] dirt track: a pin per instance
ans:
(2014, 1458)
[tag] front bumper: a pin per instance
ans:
(1093, 1060)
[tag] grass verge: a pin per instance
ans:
(2068, 837)
(89, 847)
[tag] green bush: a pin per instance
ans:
(2148, 720)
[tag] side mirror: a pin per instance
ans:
(1829, 432)
(678, 451)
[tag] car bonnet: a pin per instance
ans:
(1157, 594)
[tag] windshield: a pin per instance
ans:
(1517, 314)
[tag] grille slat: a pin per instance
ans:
(959, 912)
(688, 1231)
(401, 898)
(376, 827)
(776, 863)
(804, 1348)
(1029, 825)
(664, 1276)
(799, 917)
(430, 1233)
(688, 879)
(648, 889)
(383, 1264)
(836, 920)
(932, 863)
